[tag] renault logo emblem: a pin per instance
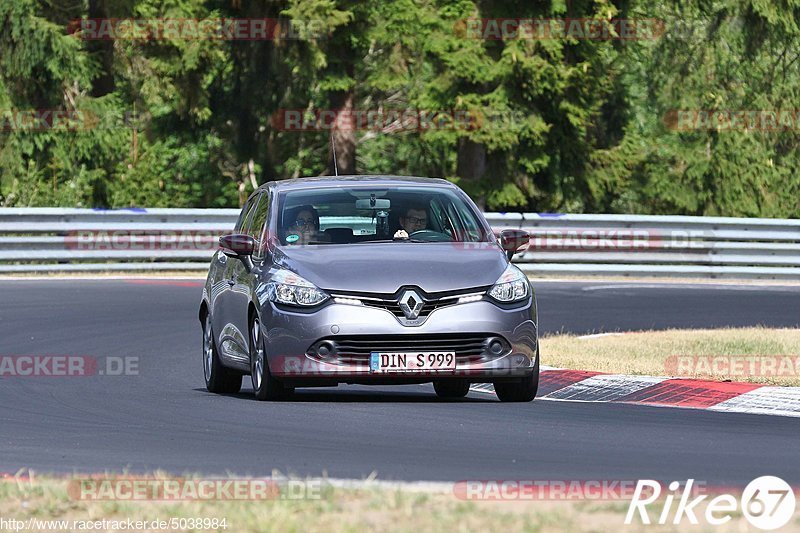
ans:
(411, 304)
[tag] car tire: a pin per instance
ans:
(265, 386)
(219, 378)
(523, 390)
(451, 388)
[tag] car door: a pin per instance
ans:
(242, 278)
(231, 339)
(220, 264)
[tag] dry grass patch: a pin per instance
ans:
(338, 509)
(688, 353)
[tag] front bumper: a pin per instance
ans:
(289, 334)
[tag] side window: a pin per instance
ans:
(467, 220)
(244, 216)
(441, 219)
(260, 216)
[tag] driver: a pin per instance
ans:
(303, 225)
(413, 218)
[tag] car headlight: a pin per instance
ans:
(286, 287)
(512, 286)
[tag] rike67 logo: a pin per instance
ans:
(768, 503)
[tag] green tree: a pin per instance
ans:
(724, 56)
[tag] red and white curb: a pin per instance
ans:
(586, 386)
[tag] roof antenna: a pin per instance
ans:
(333, 149)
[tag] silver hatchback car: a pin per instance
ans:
(368, 280)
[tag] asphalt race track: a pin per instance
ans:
(164, 418)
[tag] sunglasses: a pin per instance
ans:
(416, 220)
(304, 222)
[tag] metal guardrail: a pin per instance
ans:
(665, 246)
(61, 239)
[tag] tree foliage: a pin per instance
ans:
(556, 124)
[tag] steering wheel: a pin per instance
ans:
(430, 236)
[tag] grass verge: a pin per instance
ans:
(758, 355)
(335, 509)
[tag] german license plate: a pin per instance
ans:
(412, 361)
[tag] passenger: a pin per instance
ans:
(303, 225)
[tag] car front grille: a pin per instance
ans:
(394, 307)
(391, 302)
(356, 349)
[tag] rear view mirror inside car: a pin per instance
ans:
(373, 203)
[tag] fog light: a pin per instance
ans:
(495, 347)
(326, 349)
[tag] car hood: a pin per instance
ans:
(385, 267)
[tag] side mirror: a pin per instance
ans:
(237, 245)
(512, 239)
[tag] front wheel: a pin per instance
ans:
(219, 378)
(265, 386)
(523, 390)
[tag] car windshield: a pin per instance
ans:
(355, 215)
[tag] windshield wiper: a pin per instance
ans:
(391, 240)
(374, 240)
